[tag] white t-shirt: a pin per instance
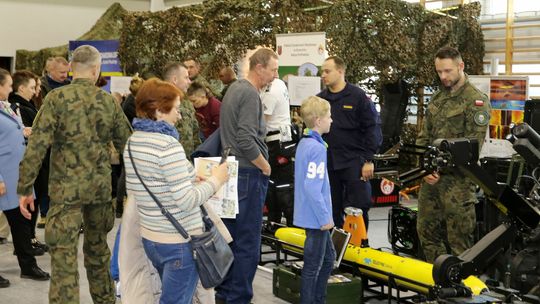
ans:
(276, 105)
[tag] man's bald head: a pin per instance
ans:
(227, 75)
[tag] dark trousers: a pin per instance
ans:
(44, 205)
(33, 219)
(41, 186)
(280, 202)
(121, 189)
(319, 257)
(246, 233)
(116, 171)
(21, 231)
(348, 190)
(280, 196)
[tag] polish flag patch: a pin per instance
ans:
(478, 103)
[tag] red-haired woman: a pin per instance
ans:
(162, 165)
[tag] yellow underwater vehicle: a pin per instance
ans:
(404, 272)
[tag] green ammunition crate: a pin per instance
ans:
(286, 285)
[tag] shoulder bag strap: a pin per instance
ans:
(164, 211)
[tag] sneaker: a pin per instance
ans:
(41, 222)
(118, 290)
(38, 244)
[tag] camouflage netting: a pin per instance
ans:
(217, 32)
(399, 40)
(382, 34)
(382, 41)
(108, 27)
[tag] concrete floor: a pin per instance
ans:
(29, 291)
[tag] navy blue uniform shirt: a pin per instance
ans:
(355, 134)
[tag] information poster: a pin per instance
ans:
(301, 87)
(300, 49)
(507, 95)
(110, 63)
(121, 84)
(300, 57)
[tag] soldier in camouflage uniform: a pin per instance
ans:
(194, 70)
(446, 214)
(77, 121)
(188, 127)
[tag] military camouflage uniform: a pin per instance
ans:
(446, 212)
(77, 121)
(188, 128)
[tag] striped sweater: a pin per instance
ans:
(162, 164)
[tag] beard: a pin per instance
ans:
(450, 84)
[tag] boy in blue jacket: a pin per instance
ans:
(312, 200)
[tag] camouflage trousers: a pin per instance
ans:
(446, 216)
(62, 236)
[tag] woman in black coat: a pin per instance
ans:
(24, 89)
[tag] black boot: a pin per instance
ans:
(38, 244)
(4, 282)
(35, 251)
(35, 273)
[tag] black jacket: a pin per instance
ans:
(129, 108)
(27, 109)
(355, 134)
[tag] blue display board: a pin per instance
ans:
(110, 63)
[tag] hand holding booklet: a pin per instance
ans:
(225, 201)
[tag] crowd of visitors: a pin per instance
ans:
(69, 149)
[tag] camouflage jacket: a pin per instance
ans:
(78, 121)
(464, 113)
(188, 128)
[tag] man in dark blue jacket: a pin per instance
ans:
(354, 137)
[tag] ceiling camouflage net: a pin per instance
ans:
(382, 41)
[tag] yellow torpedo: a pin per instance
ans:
(408, 273)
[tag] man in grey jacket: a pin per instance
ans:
(243, 130)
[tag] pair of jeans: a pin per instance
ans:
(246, 233)
(115, 272)
(176, 268)
(319, 257)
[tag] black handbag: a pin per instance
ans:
(213, 256)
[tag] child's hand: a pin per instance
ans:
(328, 226)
